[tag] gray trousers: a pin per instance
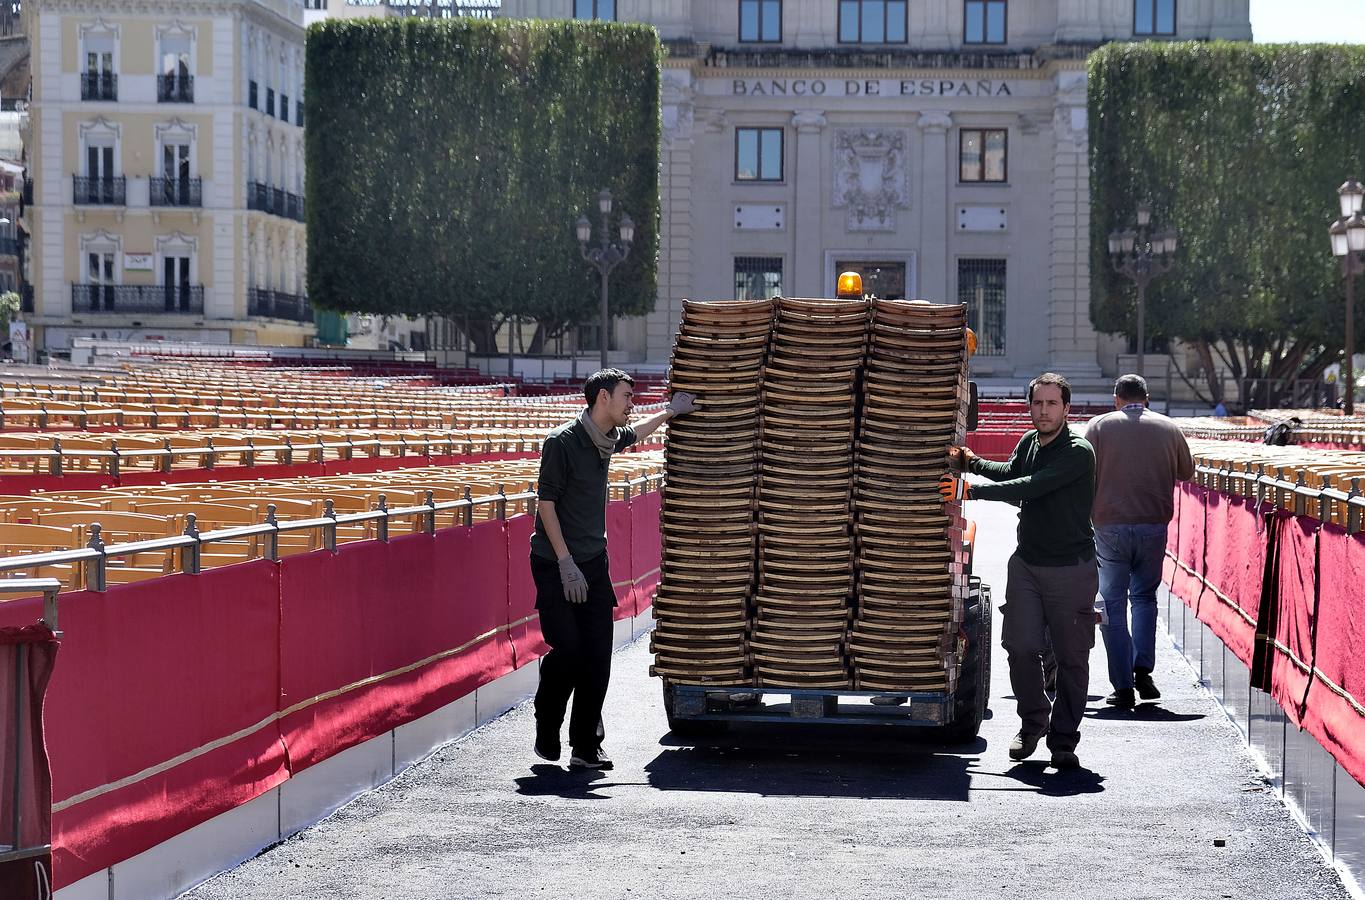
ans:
(1056, 602)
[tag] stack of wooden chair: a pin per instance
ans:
(703, 600)
(805, 552)
(911, 586)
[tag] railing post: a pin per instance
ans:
(1354, 507)
(96, 571)
(430, 515)
(381, 525)
(167, 460)
(1325, 500)
(288, 450)
(500, 507)
(114, 467)
(1300, 498)
(250, 452)
(469, 506)
(272, 537)
(211, 456)
(190, 559)
(50, 609)
(329, 531)
(54, 466)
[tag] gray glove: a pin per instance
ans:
(682, 402)
(575, 585)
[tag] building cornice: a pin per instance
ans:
(276, 13)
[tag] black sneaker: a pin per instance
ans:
(1023, 745)
(547, 747)
(1146, 687)
(1122, 698)
(1065, 759)
(594, 759)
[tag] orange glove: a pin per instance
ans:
(953, 489)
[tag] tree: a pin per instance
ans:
(1241, 147)
(448, 159)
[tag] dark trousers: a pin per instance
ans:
(1056, 603)
(579, 661)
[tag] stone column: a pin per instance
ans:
(1073, 346)
(931, 262)
(675, 217)
(806, 267)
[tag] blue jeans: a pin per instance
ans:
(1130, 559)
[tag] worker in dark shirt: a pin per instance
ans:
(574, 594)
(1052, 581)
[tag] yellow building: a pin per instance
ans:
(165, 149)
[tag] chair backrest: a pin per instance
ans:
(206, 514)
(19, 539)
(118, 524)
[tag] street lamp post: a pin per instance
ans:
(606, 256)
(1348, 245)
(1141, 256)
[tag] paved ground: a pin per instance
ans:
(798, 813)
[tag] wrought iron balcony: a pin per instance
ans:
(177, 192)
(138, 298)
(111, 191)
(273, 200)
(278, 305)
(175, 88)
(99, 86)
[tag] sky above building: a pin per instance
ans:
(1298, 21)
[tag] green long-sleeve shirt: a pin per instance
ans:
(1055, 487)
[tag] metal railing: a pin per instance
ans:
(273, 200)
(177, 192)
(1324, 502)
(135, 298)
(99, 86)
(92, 560)
(287, 453)
(278, 305)
(175, 88)
(28, 587)
(111, 190)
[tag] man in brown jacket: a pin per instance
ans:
(1139, 456)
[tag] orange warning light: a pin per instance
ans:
(850, 285)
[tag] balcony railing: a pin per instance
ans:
(177, 192)
(137, 298)
(278, 305)
(175, 88)
(111, 191)
(99, 86)
(273, 200)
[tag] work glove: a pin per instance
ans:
(960, 459)
(575, 585)
(953, 489)
(682, 403)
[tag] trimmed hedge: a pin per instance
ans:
(1241, 147)
(448, 159)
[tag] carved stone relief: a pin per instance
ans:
(871, 176)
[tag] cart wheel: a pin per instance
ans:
(974, 684)
(689, 727)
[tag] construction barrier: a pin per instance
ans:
(183, 697)
(1282, 591)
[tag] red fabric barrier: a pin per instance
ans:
(646, 549)
(152, 676)
(1168, 565)
(27, 655)
(619, 557)
(77, 481)
(1338, 722)
(523, 630)
(380, 634)
(220, 474)
(1296, 605)
(1185, 580)
(1235, 548)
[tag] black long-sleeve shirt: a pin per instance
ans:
(1055, 487)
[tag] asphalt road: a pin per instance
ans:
(790, 811)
